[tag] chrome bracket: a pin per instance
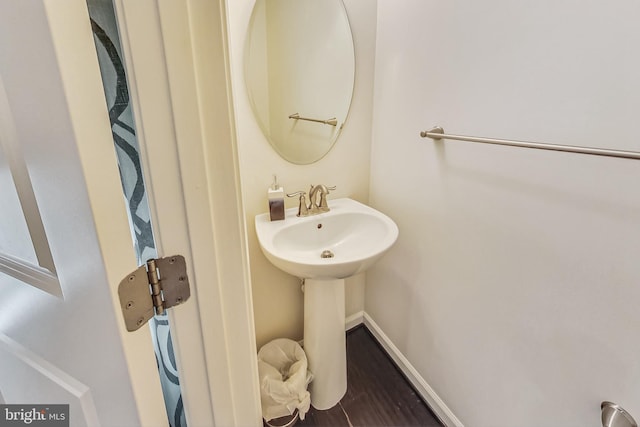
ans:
(613, 415)
(160, 284)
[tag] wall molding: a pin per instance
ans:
(436, 404)
(354, 320)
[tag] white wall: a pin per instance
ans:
(514, 285)
(277, 298)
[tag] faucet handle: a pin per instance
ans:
(302, 207)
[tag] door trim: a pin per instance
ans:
(42, 273)
(177, 64)
(42, 371)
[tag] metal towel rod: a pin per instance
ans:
(437, 133)
(332, 121)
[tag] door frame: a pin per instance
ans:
(176, 55)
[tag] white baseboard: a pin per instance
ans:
(354, 320)
(428, 394)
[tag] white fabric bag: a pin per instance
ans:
(282, 367)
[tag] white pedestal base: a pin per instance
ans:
(324, 341)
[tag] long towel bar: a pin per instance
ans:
(437, 133)
(331, 122)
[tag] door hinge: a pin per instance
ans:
(154, 287)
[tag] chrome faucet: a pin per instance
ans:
(314, 207)
(322, 206)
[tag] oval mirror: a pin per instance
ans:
(299, 71)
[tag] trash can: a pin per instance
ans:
(284, 377)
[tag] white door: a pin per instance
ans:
(62, 338)
(65, 242)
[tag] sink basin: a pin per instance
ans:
(333, 245)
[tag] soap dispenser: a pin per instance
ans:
(276, 200)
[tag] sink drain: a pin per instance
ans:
(326, 254)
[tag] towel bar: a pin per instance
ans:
(437, 133)
(332, 121)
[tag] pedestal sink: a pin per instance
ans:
(325, 249)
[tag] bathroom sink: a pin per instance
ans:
(323, 250)
(332, 245)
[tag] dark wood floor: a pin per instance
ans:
(377, 392)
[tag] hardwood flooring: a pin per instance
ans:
(377, 392)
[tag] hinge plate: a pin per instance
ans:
(136, 292)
